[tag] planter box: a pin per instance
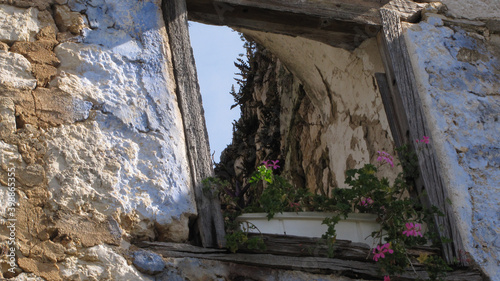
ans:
(356, 228)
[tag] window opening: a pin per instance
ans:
(215, 50)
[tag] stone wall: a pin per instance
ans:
(485, 10)
(181, 269)
(90, 123)
(455, 54)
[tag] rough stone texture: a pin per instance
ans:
(37, 52)
(48, 271)
(18, 24)
(16, 72)
(99, 263)
(39, 4)
(148, 262)
(93, 128)
(4, 47)
(458, 76)
(337, 116)
(56, 107)
(40, 53)
(68, 20)
(7, 118)
(110, 162)
(27, 277)
(137, 136)
(473, 9)
(190, 269)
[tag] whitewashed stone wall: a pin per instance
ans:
(90, 121)
(457, 66)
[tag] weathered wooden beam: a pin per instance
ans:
(312, 262)
(412, 123)
(360, 11)
(178, 247)
(339, 23)
(391, 108)
(287, 245)
(210, 224)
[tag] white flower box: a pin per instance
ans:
(356, 228)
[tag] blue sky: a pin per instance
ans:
(215, 50)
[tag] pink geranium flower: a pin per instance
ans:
(272, 165)
(379, 252)
(365, 202)
(413, 229)
(384, 156)
(295, 206)
(425, 139)
(387, 278)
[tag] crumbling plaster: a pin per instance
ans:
(345, 120)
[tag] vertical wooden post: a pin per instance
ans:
(394, 113)
(412, 123)
(210, 223)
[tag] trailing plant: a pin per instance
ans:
(401, 216)
(279, 195)
(436, 267)
(236, 235)
(238, 238)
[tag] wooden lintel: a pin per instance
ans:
(360, 11)
(339, 23)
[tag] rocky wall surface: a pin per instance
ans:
(89, 121)
(330, 116)
(191, 269)
(457, 67)
(473, 9)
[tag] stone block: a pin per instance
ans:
(148, 262)
(4, 47)
(18, 24)
(100, 263)
(57, 107)
(37, 52)
(31, 175)
(7, 117)
(16, 72)
(68, 20)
